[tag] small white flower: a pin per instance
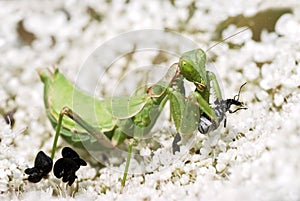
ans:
(278, 99)
(287, 25)
(145, 151)
(220, 167)
(251, 71)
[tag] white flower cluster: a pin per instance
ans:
(11, 167)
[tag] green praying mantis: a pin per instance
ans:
(83, 120)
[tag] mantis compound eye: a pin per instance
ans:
(182, 63)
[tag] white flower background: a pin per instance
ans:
(256, 157)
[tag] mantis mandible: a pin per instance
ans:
(115, 119)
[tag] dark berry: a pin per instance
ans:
(67, 166)
(42, 166)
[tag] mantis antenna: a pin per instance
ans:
(217, 43)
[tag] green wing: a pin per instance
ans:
(60, 92)
(159, 88)
(126, 107)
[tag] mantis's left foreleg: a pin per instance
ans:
(185, 114)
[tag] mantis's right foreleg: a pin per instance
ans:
(215, 84)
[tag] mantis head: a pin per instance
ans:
(192, 67)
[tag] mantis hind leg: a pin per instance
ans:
(129, 152)
(98, 135)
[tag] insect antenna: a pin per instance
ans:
(217, 43)
(236, 99)
(240, 108)
(238, 95)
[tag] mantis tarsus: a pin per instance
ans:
(82, 119)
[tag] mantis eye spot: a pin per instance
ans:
(182, 63)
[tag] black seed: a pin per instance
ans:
(43, 162)
(42, 166)
(64, 166)
(67, 166)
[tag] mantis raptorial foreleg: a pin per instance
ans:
(186, 117)
(215, 84)
(186, 114)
